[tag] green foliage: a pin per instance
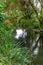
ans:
(10, 52)
(30, 24)
(2, 19)
(2, 6)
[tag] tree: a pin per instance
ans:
(25, 16)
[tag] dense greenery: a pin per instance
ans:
(12, 17)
